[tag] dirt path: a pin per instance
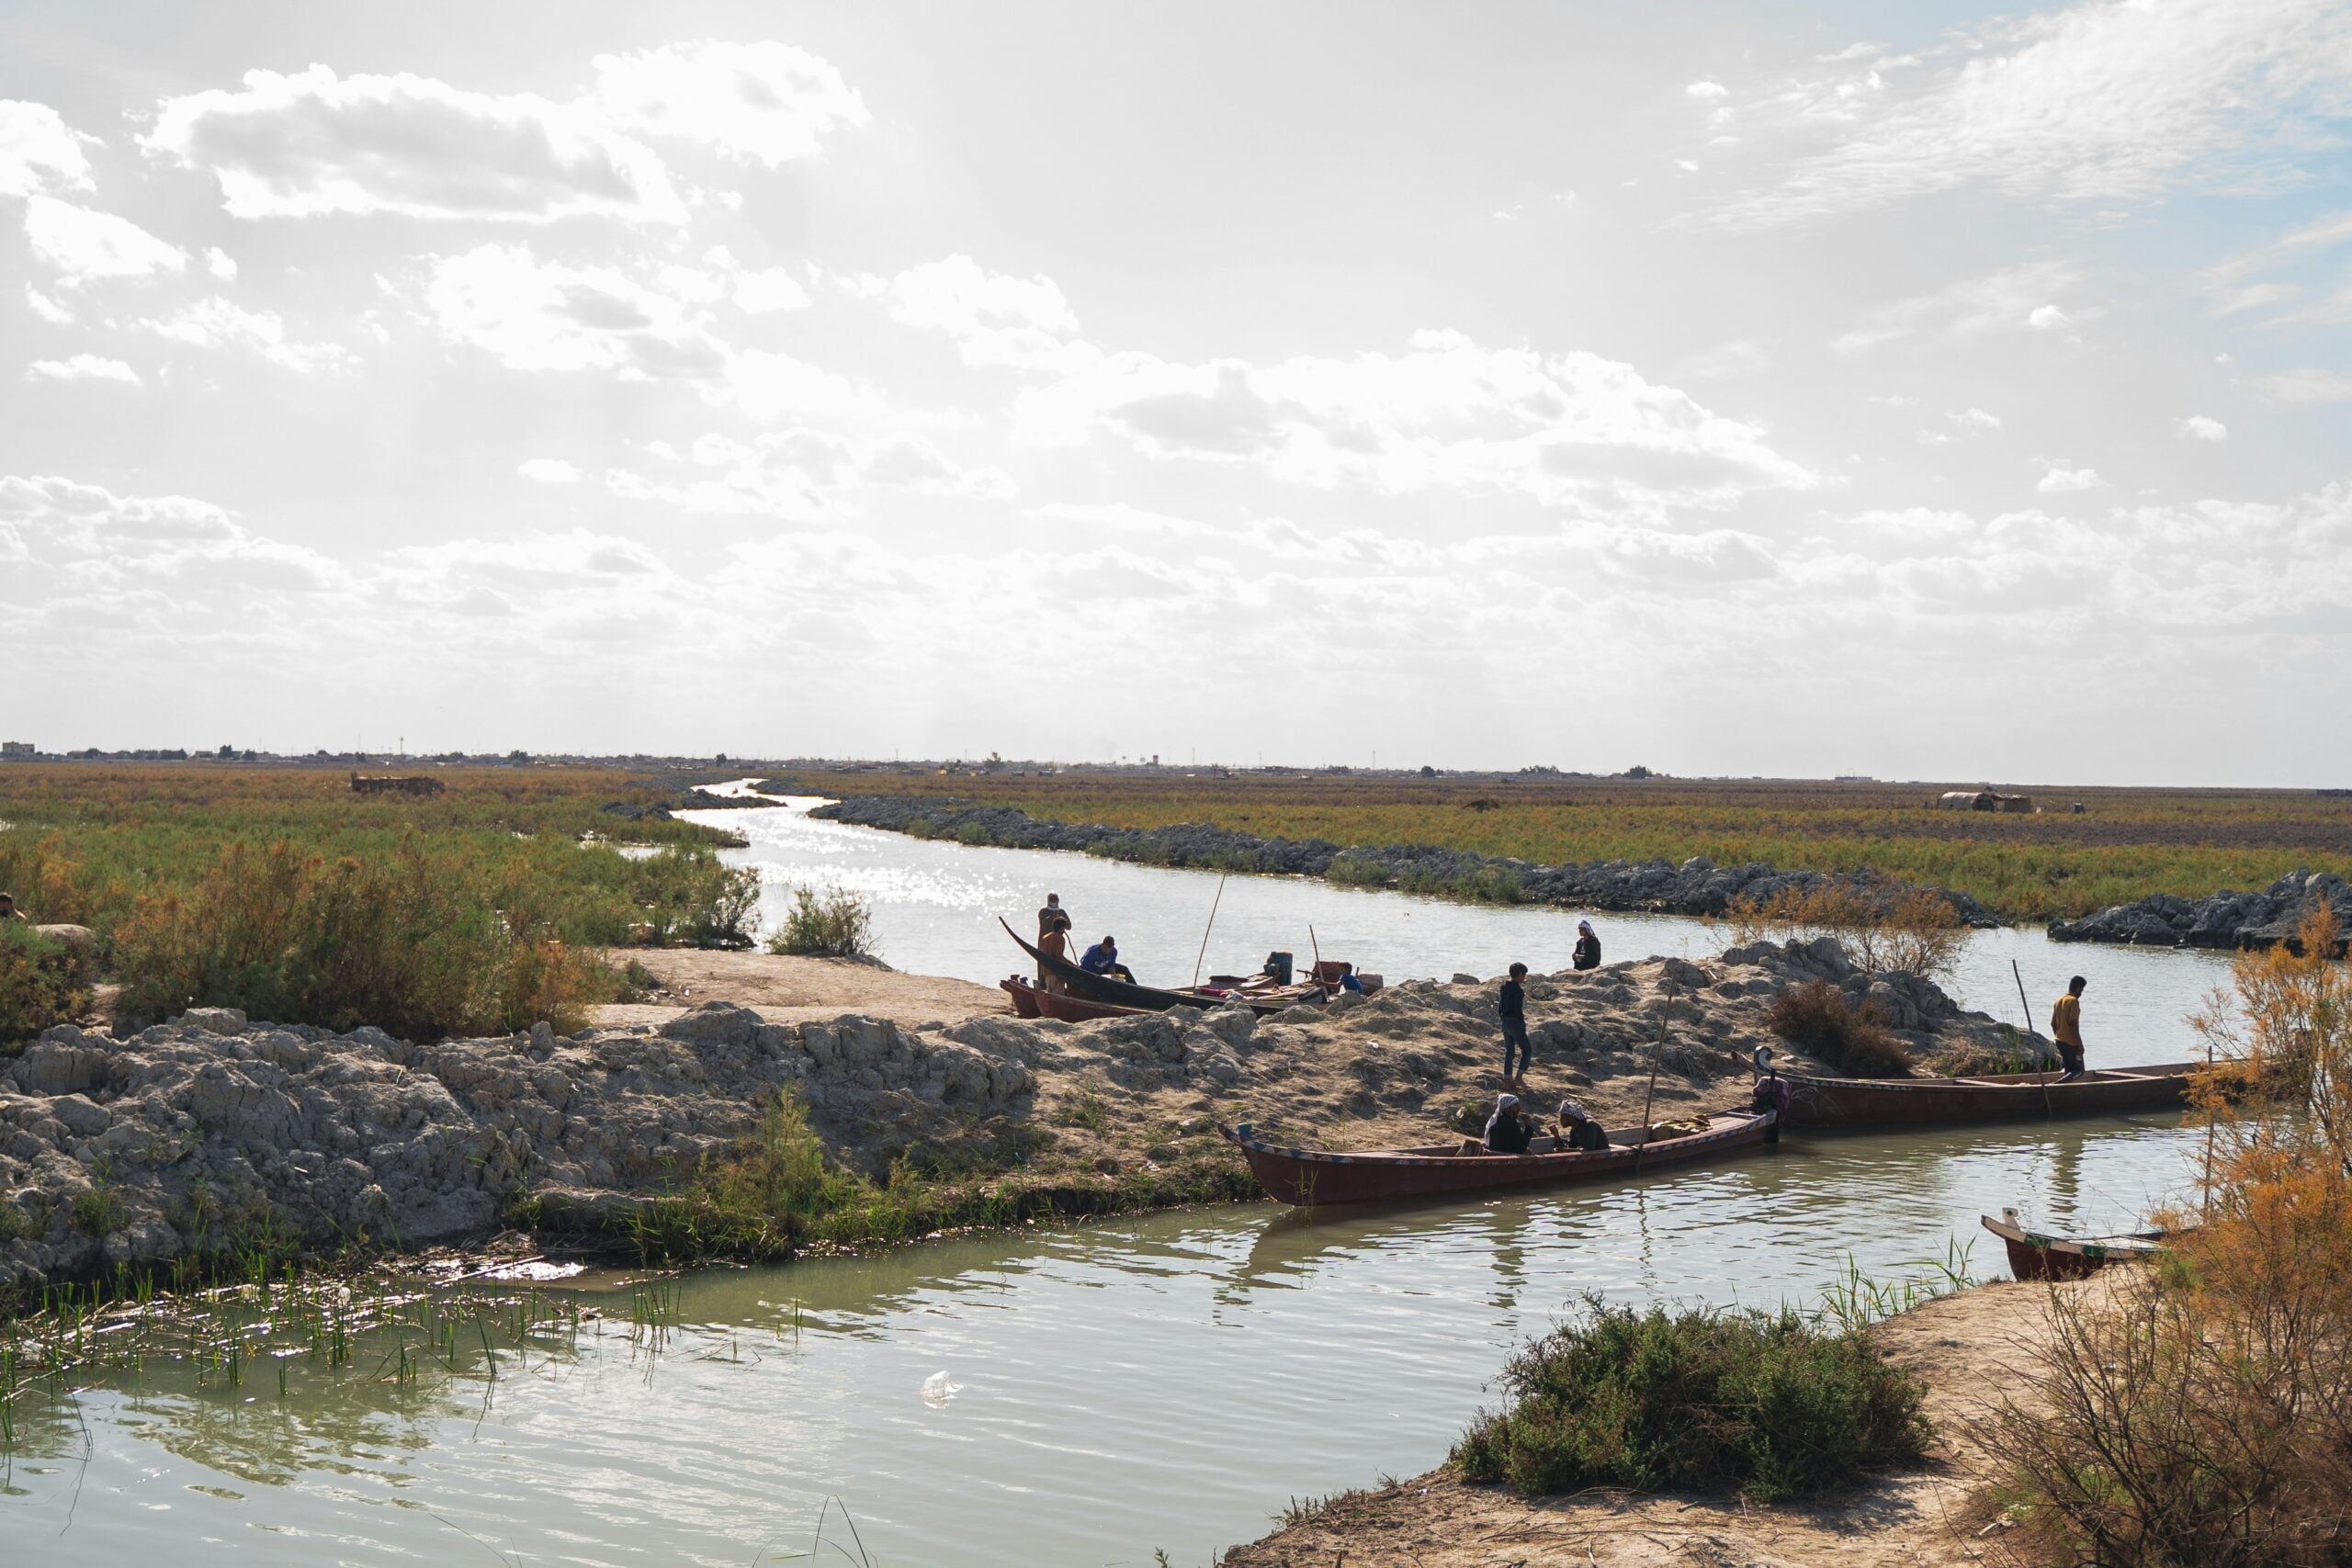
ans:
(1964, 1347)
(793, 991)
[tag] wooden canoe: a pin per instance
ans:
(1315, 1177)
(1035, 1001)
(2033, 1255)
(1093, 987)
(1850, 1102)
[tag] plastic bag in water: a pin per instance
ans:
(937, 1391)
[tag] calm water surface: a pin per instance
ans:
(1164, 1382)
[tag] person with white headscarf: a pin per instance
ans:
(1578, 1130)
(1508, 1130)
(1588, 953)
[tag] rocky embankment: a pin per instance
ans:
(211, 1130)
(2219, 919)
(1695, 886)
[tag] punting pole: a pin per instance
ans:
(1655, 1051)
(2019, 975)
(1202, 957)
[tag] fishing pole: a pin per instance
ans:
(1201, 957)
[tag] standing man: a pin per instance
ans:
(2066, 1027)
(1511, 1006)
(1587, 954)
(1053, 917)
(1052, 939)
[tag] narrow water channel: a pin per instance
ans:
(1165, 1382)
(935, 907)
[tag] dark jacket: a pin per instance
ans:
(1588, 1135)
(1588, 953)
(1509, 1133)
(1511, 1002)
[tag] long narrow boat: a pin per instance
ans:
(2033, 1255)
(1846, 1102)
(1314, 1177)
(1080, 982)
(1035, 1001)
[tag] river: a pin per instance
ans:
(1078, 1397)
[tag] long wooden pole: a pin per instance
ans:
(1657, 1051)
(2027, 1008)
(1202, 956)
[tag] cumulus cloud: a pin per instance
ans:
(992, 318)
(86, 245)
(2199, 427)
(534, 315)
(763, 103)
(549, 471)
(2061, 480)
(2091, 103)
(802, 473)
(39, 151)
(1448, 414)
(50, 311)
(309, 143)
(83, 368)
(1975, 420)
(221, 264)
(216, 322)
(1707, 92)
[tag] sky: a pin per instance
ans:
(1920, 391)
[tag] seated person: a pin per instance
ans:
(1578, 1130)
(1509, 1130)
(1102, 958)
(1771, 1091)
(1348, 981)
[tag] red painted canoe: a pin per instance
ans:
(1265, 1001)
(1035, 1001)
(2036, 1257)
(1316, 1176)
(1853, 1102)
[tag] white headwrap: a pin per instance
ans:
(1572, 1111)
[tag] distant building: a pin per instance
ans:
(18, 748)
(1983, 800)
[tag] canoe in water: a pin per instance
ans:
(1264, 1001)
(1853, 1102)
(2033, 1255)
(1315, 1177)
(1035, 1001)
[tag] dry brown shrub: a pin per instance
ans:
(2203, 1419)
(1813, 1014)
(1915, 929)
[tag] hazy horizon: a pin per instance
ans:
(1733, 389)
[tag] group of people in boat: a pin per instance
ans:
(1512, 1129)
(1054, 926)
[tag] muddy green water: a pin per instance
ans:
(1106, 1390)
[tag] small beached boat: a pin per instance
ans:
(1846, 1102)
(2033, 1255)
(1261, 998)
(1315, 1177)
(1035, 1001)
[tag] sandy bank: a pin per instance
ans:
(1962, 1347)
(791, 990)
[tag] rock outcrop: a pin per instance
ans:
(1694, 887)
(2220, 919)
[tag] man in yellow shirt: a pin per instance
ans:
(2067, 1026)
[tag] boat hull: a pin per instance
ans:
(2037, 1256)
(1312, 1177)
(1080, 982)
(1852, 1102)
(1035, 1001)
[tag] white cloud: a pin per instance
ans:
(1707, 92)
(221, 264)
(549, 471)
(2096, 102)
(2199, 427)
(2062, 479)
(757, 293)
(760, 103)
(1975, 419)
(47, 309)
(221, 323)
(992, 318)
(296, 146)
(2048, 318)
(534, 315)
(2308, 386)
(801, 474)
(1447, 414)
(86, 245)
(39, 151)
(2016, 299)
(82, 368)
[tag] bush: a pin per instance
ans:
(687, 897)
(2204, 1419)
(42, 982)
(1914, 927)
(413, 942)
(1349, 869)
(836, 923)
(972, 833)
(1763, 1403)
(1814, 1016)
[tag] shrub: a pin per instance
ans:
(835, 923)
(972, 833)
(1352, 870)
(411, 942)
(1764, 1404)
(1814, 1015)
(2205, 1417)
(42, 982)
(1913, 927)
(686, 896)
